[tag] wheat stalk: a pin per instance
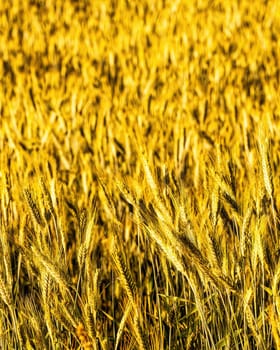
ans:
(126, 313)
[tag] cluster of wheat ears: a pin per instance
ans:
(139, 174)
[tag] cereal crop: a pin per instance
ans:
(140, 174)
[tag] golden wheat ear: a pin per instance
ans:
(126, 278)
(5, 294)
(34, 209)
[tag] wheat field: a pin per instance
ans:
(139, 174)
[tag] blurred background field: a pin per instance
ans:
(139, 174)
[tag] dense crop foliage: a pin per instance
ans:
(139, 174)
